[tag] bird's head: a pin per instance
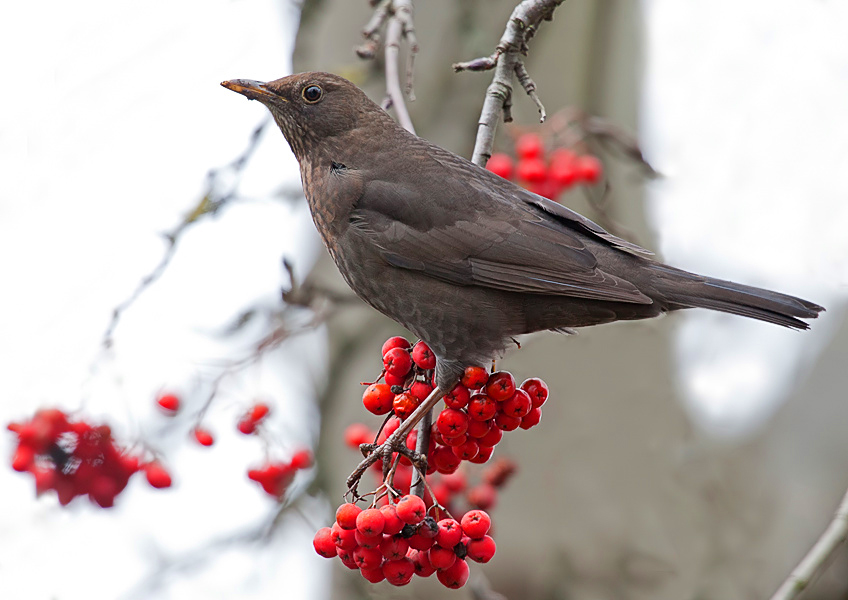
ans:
(311, 108)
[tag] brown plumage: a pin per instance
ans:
(459, 256)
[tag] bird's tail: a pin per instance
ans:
(687, 290)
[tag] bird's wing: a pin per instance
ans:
(471, 234)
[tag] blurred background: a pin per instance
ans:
(693, 456)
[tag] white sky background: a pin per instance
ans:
(111, 116)
(745, 110)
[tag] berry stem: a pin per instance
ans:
(422, 444)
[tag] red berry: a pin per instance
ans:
(258, 412)
(420, 542)
(501, 386)
(518, 405)
(420, 390)
(483, 496)
(394, 379)
(378, 398)
(346, 556)
(404, 405)
(323, 543)
(445, 460)
(529, 145)
(481, 407)
(492, 438)
(302, 459)
(455, 482)
(246, 426)
(421, 561)
(346, 515)
(423, 356)
(467, 450)
(370, 522)
(482, 550)
(397, 362)
(450, 533)
(531, 170)
(203, 436)
(393, 523)
(411, 509)
(23, 458)
(398, 572)
(484, 454)
(452, 422)
(442, 558)
(500, 164)
(394, 342)
(356, 434)
(477, 429)
(455, 576)
(394, 547)
(588, 169)
(169, 403)
(531, 419)
(475, 524)
(475, 377)
(537, 390)
(373, 575)
(367, 541)
(458, 397)
(343, 538)
(368, 558)
(562, 167)
(157, 475)
(455, 441)
(507, 422)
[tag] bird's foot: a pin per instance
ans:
(389, 452)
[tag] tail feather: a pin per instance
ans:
(726, 296)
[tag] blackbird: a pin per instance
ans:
(461, 257)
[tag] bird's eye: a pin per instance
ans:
(312, 93)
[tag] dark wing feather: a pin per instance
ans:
(477, 233)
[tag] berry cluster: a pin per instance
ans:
(397, 541)
(477, 411)
(549, 178)
(77, 458)
(275, 476)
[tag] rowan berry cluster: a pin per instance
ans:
(547, 176)
(476, 414)
(395, 542)
(77, 458)
(275, 476)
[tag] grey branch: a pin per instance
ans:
(506, 61)
(396, 16)
(816, 559)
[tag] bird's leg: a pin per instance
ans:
(396, 442)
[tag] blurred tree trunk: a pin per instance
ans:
(617, 495)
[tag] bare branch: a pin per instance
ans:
(820, 554)
(394, 32)
(212, 201)
(520, 28)
(422, 443)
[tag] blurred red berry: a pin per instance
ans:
(203, 436)
(157, 475)
(358, 433)
(500, 164)
(169, 403)
(588, 169)
(531, 170)
(529, 145)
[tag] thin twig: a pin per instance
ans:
(211, 202)
(817, 558)
(506, 61)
